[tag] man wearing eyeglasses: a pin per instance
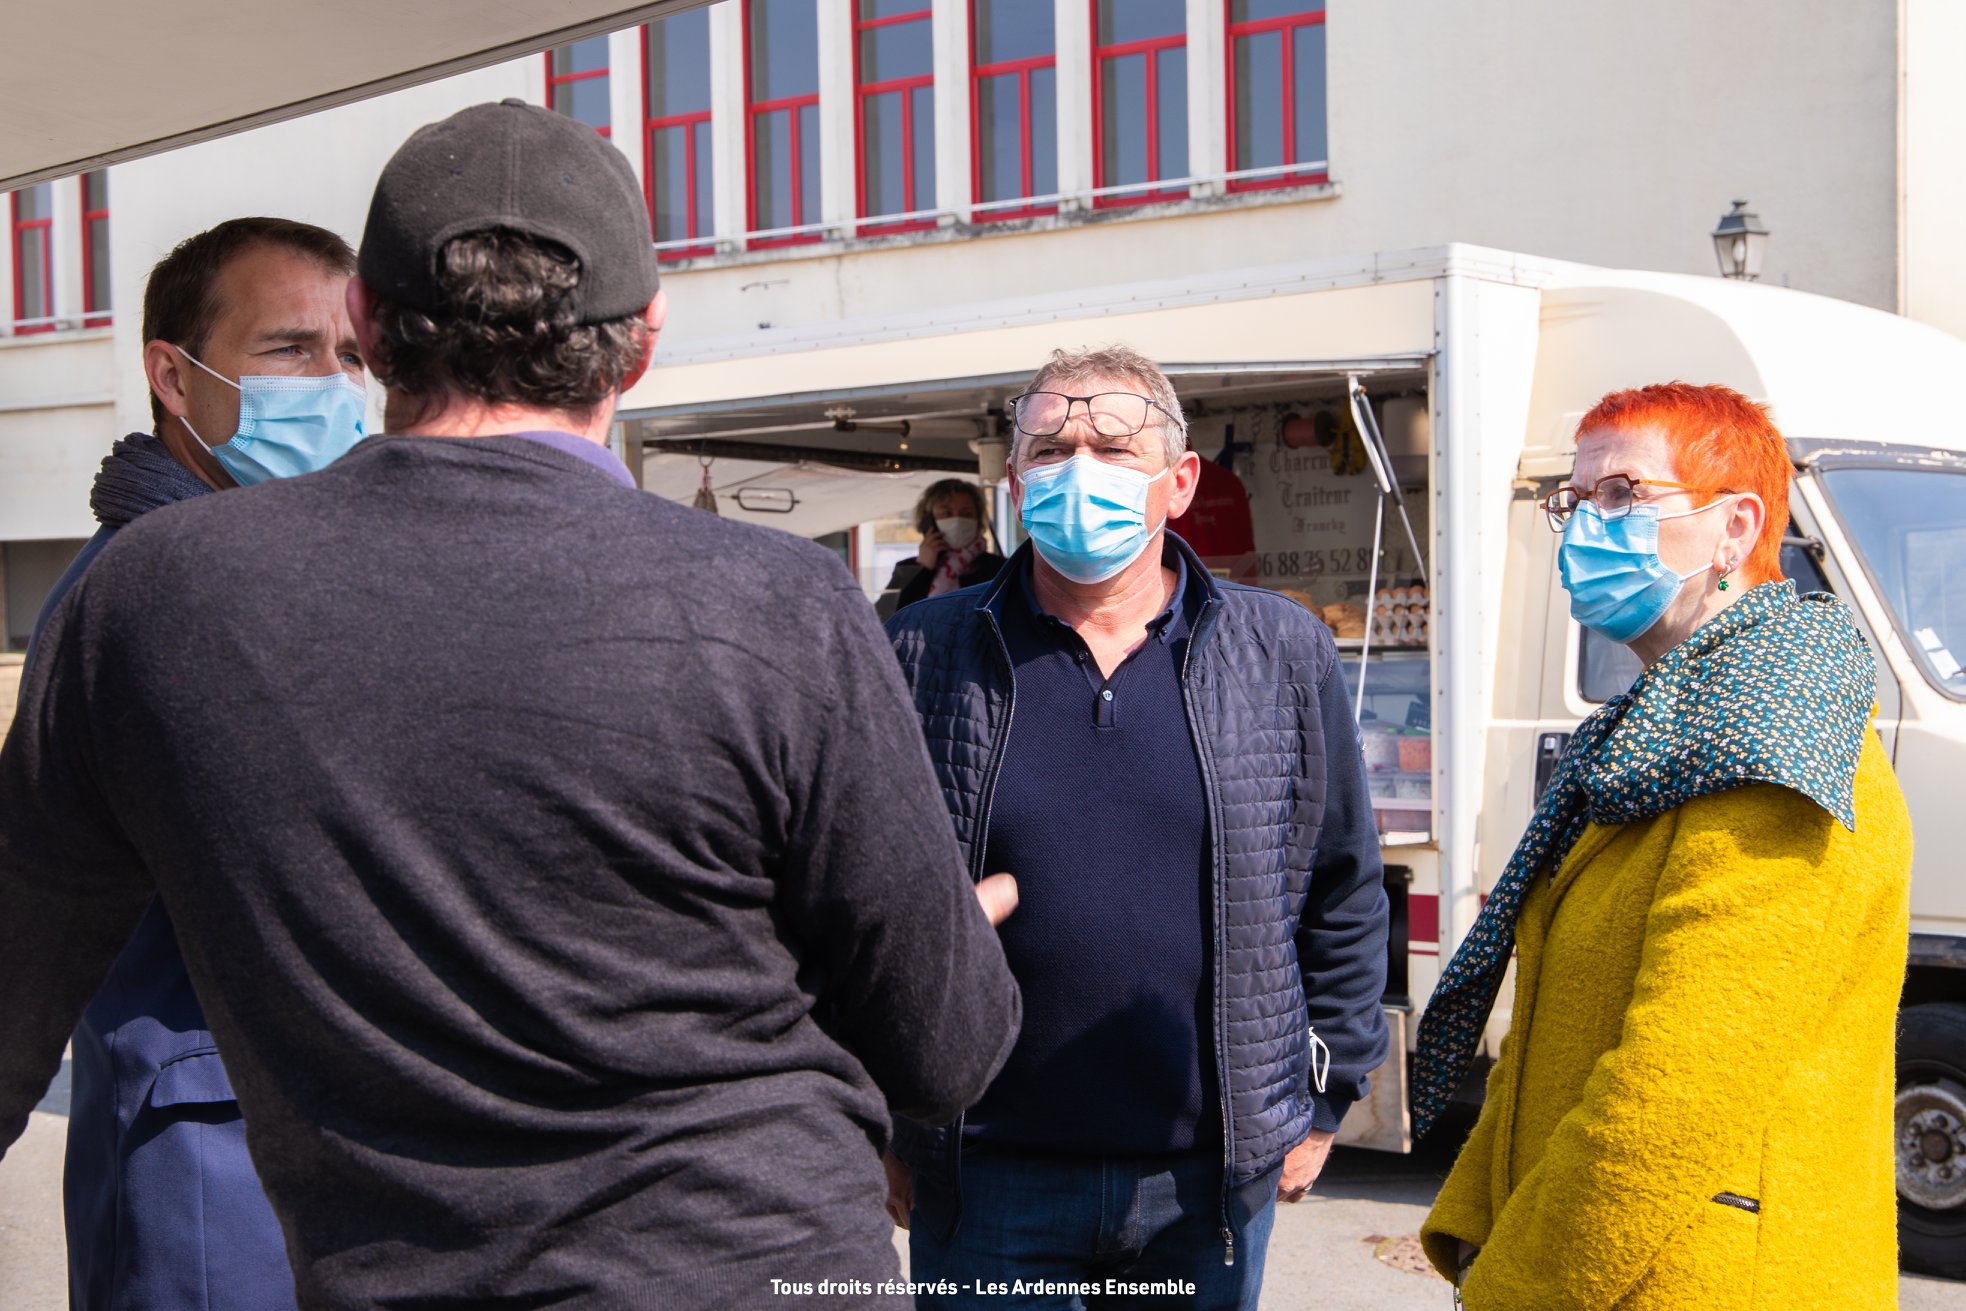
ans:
(1168, 765)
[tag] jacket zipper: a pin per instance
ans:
(979, 845)
(1204, 626)
(998, 748)
(978, 850)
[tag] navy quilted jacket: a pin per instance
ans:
(1300, 904)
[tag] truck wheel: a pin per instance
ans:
(1931, 1140)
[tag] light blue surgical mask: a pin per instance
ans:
(288, 426)
(1618, 585)
(1087, 518)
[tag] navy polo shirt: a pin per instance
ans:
(1100, 812)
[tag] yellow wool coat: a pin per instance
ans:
(1705, 1007)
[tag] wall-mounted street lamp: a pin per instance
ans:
(1738, 242)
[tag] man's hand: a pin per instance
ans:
(998, 893)
(900, 1188)
(1302, 1167)
(933, 545)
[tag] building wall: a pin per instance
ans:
(57, 416)
(1607, 134)
(1934, 185)
(1614, 135)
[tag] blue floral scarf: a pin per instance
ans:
(1777, 688)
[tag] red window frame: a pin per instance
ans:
(977, 73)
(905, 88)
(1151, 48)
(688, 122)
(93, 315)
(1286, 25)
(790, 107)
(556, 79)
(17, 229)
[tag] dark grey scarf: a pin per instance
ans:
(137, 476)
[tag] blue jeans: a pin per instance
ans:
(1082, 1221)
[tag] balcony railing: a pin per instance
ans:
(1312, 171)
(61, 321)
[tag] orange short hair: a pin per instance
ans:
(1719, 439)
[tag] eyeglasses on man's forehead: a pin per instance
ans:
(1111, 413)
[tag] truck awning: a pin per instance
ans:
(94, 84)
(948, 370)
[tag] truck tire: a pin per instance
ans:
(1930, 1124)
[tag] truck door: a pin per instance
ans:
(1895, 526)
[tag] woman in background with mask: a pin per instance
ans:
(956, 544)
(1693, 1106)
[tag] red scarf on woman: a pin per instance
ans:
(949, 574)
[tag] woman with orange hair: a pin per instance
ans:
(1692, 1108)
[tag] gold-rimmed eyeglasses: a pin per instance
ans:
(1613, 496)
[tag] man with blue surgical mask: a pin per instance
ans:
(1167, 764)
(254, 374)
(272, 385)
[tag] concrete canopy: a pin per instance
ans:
(98, 83)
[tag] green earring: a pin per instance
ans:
(1723, 584)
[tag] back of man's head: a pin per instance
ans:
(509, 257)
(181, 298)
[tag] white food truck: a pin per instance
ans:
(1390, 422)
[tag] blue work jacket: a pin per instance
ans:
(162, 1205)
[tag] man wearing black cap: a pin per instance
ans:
(550, 858)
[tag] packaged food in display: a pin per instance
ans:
(1380, 743)
(1300, 596)
(1344, 619)
(1414, 787)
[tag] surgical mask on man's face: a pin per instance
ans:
(1618, 585)
(958, 533)
(1087, 518)
(287, 426)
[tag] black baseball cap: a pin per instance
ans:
(516, 166)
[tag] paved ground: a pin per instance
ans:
(1325, 1254)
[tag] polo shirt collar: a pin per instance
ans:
(1171, 623)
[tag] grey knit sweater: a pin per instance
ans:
(561, 870)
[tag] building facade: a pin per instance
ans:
(812, 162)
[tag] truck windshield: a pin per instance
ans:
(1910, 526)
